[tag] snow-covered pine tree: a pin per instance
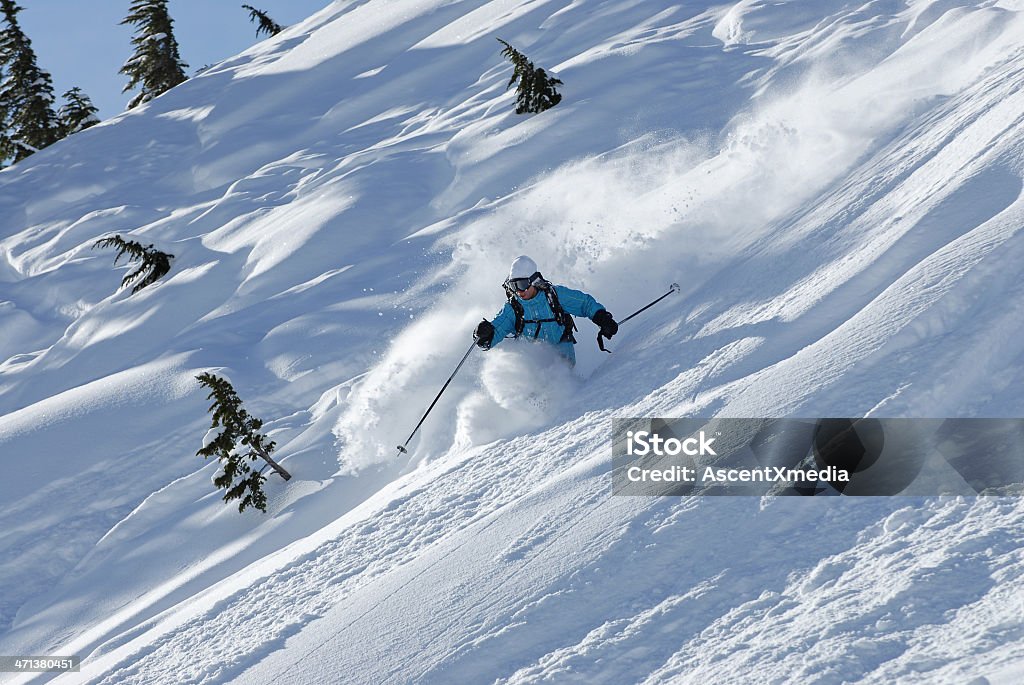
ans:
(154, 263)
(77, 113)
(26, 93)
(238, 428)
(267, 25)
(155, 65)
(536, 90)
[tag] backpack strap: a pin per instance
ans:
(517, 309)
(562, 317)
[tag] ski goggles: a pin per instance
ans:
(522, 284)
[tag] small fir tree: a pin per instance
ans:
(155, 66)
(536, 90)
(153, 262)
(237, 477)
(78, 113)
(266, 24)
(26, 93)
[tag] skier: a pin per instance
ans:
(547, 318)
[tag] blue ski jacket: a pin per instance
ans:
(572, 301)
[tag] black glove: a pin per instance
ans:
(484, 335)
(606, 322)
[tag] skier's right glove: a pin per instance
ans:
(606, 322)
(484, 335)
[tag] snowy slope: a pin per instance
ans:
(836, 186)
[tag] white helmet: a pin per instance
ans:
(522, 267)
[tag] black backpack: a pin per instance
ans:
(561, 317)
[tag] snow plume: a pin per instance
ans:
(515, 388)
(524, 387)
(385, 405)
(663, 208)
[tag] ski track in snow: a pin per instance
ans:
(836, 186)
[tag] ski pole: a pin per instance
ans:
(674, 288)
(402, 448)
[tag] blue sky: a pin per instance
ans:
(81, 42)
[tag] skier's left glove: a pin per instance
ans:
(606, 322)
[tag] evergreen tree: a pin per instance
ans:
(154, 263)
(267, 25)
(78, 113)
(26, 93)
(536, 90)
(156, 65)
(238, 428)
